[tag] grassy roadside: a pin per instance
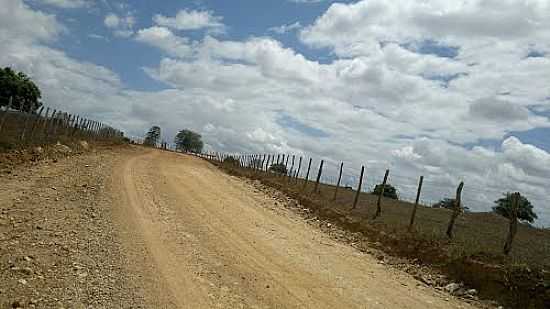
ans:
(474, 256)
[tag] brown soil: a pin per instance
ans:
(138, 228)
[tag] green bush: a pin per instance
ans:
(278, 168)
(389, 191)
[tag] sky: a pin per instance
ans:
(451, 90)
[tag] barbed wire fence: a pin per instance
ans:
(27, 126)
(307, 172)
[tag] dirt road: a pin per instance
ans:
(197, 238)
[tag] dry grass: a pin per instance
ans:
(474, 255)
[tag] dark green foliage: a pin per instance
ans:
(24, 93)
(525, 209)
(187, 140)
(278, 168)
(389, 191)
(153, 136)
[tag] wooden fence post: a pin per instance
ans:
(456, 210)
(26, 122)
(413, 215)
(286, 163)
(338, 183)
(513, 229)
(379, 201)
(316, 188)
(48, 128)
(307, 174)
(291, 168)
(36, 121)
(262, 164)
(269, 158)
(298, 170)
(75, 125)
(356, 199)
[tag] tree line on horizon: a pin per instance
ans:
(186, 140)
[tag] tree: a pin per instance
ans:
(448, 203)
(389, 191)
(24, 93)
(188, 140)
(278, 168)
(525, 209)
(153, 136)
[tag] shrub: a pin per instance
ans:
(389, 191)
(278, 168)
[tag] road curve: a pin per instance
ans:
(202, 239)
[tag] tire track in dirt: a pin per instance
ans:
(210, 241)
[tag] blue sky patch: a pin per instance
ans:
(430, 47)
(290, 122)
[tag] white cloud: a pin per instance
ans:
(286, 28)
(164, 39)
(112, 20)
(67, 4)
(190, 20)
(19, 22)
(122, 26)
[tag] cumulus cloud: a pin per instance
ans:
(122, 26)
(164, 39)
(191, 20)
(19, 22)
(494, 109)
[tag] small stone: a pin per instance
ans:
(452, 287)
(471, 292)
(22, 281)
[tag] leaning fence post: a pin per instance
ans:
(26, 122)
(356, 199)
(413, 215)
(286, 162)
(291, 168)
(48, 122)
(456, 210)
(338, 183)
(316, 188)
(75, 125)
(515, 199)
(298, 170)
(261, 167)
(379, 201)
(307, 174)
(36, 121)
(267, 163)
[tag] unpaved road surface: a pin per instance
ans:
(173, 231)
